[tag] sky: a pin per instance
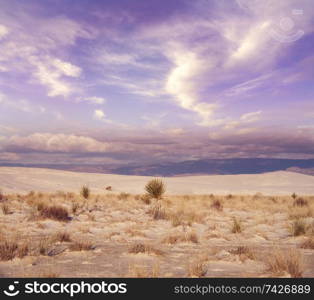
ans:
(146, 81)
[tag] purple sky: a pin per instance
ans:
(122, 81)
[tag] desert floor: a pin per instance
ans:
(62, 234)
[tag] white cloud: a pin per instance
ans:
(99, 114)
(94, 100)
(48, 142)
(66, 68)
(51, 74)
(251, 116)
(3, 31)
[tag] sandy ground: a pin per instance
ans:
(23, 180)
(123, 234)
(192, 238)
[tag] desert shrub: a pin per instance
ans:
(285, 261)
(109, 188)
(155, 188)
(300, 202)
(236, 226)
(216, 204)
(298, 227)
(294, 196)
(85, 192)
(54, 212)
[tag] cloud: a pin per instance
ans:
(3, 31)
(93, 100)
(99, 114)
(51, 74)
(48, 142)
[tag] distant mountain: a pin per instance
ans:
(191, 167)
(218, 166)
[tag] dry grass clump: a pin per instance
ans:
(85, 192)
(54, 212)
(62, 237)
(10, 249)
(5, 208)
(197, 269)
(81, 246)
(308, 243)
(300, 202)
(155, 188)
(181, 238)
(280, 262)
(158, 212)
(217, 204)
(146, 199)
(298, 227)
(237, 226)
(144, 248)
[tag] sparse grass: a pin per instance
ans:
(54, 212)
(237, 226)
(181, 238)
(5, 208)
(158, 212)
(85, 192)
(44, 245)
(11, 249)
(146, 199)
(298, 227)
(123, 196)
(62, 237)
(217, 204)
(136, 271)
(144, 248)
(81, 246)
(300, 202)
(155, 188)
(289, 261)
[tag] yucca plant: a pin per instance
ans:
(155, 188)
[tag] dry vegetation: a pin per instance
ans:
(155, 235)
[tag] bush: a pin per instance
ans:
(54, 212)
(298, 227)
(217, 205)
(155, 188)
(85, 192)
(300, 202)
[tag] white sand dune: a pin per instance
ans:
(21, 180)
